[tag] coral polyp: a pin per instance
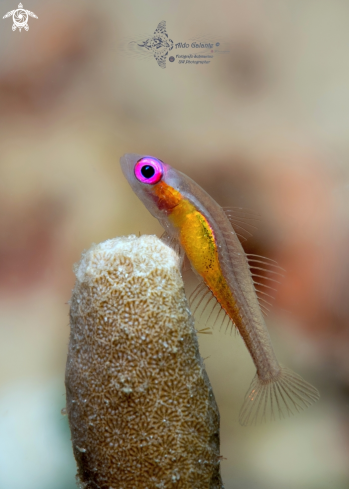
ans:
(140, 405)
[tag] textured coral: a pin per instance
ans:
(140, 406)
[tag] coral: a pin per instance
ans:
(141, 409)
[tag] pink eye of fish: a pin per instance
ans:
(148, 170)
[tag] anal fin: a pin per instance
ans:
(202, 296)
(176, 246)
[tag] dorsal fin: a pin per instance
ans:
(240, 219)
(257, 264)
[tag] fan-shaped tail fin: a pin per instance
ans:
(287, 394)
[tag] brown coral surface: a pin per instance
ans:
(140, 405)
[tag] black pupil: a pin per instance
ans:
(147, 171)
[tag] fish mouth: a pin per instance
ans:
(128, 162)
(129, 159)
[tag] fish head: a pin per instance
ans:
(157, 184)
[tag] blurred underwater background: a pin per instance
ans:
(264, 126)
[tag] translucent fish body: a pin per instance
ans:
(206, 235)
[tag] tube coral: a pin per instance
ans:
(141, 409)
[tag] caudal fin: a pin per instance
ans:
(284, 396)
